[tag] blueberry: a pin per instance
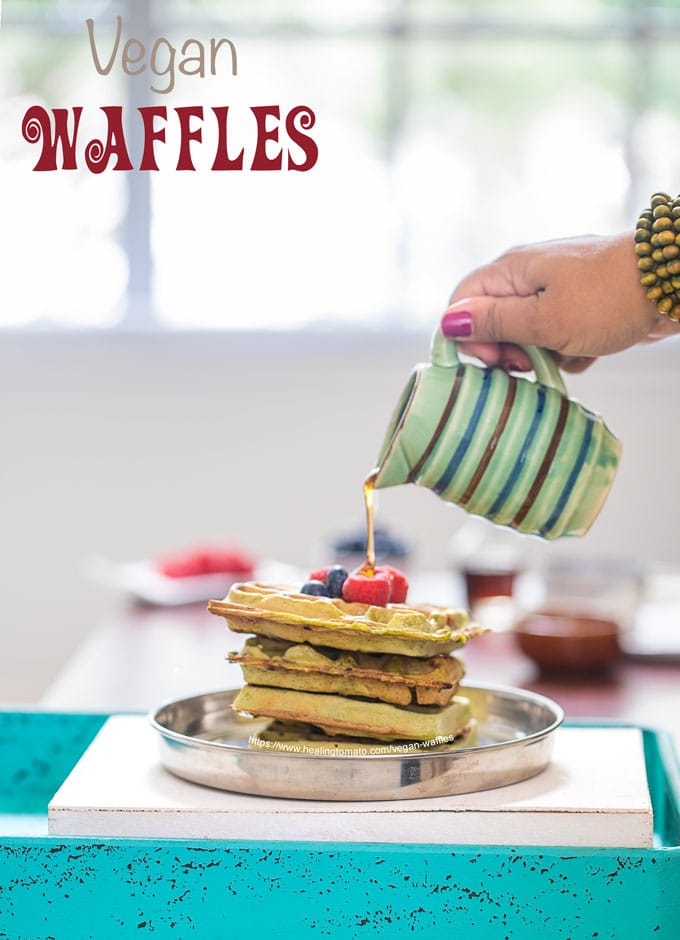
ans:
(315, 588)
(335, 579)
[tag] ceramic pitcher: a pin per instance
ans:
(516, 451)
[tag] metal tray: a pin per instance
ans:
(203, 740)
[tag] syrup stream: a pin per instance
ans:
(368, 567)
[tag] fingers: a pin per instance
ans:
(513, 358)
(483, 310)
(495, 320)
(482, 324)
(507, 276)
(574, 364)
(489, 353)
(504, 355)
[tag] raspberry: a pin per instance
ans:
(320, 574)
(375, 590)
(229, 561)
(399, 583)
(187, 566)
(200, 561)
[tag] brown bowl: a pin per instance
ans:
(568, 642)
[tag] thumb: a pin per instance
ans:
(494, 320)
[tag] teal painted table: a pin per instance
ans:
(70, 889)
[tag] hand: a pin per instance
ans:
(578, 297)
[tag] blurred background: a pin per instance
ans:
(191, 357)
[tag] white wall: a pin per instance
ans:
(130, 445)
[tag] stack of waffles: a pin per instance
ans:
(333, 674)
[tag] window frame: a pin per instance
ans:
(641, 24)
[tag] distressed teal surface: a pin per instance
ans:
(38, 751)
(70, 889)
(74, 889)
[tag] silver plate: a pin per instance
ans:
(203, 740)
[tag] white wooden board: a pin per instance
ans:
(594, 793)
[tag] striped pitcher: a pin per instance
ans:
(518, 452)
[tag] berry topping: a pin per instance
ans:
(207, 560)
(315, 588)
(399, 583)
(216, 560)
(374, 590)
(320, 574)
(335, 579)
(185, 566)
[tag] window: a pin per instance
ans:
(447, 131)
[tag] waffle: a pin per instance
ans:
(355, 717)
(296, 737)
(281, 613)
(399, 680)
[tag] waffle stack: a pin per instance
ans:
(330, 672)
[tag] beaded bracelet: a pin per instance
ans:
(657, 245)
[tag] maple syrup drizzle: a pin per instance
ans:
(368, 568)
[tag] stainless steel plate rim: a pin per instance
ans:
(521, 694)
(515, 727)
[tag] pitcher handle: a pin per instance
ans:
(445, 353)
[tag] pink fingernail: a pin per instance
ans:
(457, 325)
